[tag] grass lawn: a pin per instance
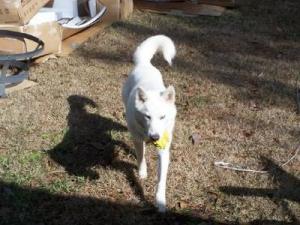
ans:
(66, 157)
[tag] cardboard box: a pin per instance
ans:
(49, 32)
(19, 11)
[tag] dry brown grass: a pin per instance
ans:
(66, 157)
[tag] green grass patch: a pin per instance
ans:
(199, 101)
(22, 168)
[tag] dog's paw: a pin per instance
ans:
(161, 207)
(161, 203)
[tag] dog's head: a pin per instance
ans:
(155, 111)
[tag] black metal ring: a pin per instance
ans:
(21, 56)
(18, 64)
(16, 78)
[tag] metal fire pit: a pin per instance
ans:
(14, 67)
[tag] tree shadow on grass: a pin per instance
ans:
(243, 48)
(27, 206)
(89, 142)
(261, 90)
(35, 206)
(234, 66)
(288, 189)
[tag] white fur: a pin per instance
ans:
(145, 95)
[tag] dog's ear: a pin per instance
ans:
(169, 94)
(141, 95)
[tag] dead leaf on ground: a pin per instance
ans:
(181, 205)
(276, 140)
(248, 133)
(196, 138)
(212, 196)
(253, 105)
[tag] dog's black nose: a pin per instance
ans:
(154, 137)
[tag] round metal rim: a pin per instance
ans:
(21, 56)
(16, 78)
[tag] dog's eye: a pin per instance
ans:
(162, 117)
(148, 117)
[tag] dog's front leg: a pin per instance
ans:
(163, 164)
(140, 155)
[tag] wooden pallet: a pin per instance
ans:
(224, 3)
(184, 8)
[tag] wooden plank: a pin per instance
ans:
(44, 58)
(180, 8)
(224, 3)
(73, 42)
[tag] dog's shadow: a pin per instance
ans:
(89, 143)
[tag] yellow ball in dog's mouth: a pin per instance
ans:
(163, 141)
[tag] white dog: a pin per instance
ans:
(150, 109)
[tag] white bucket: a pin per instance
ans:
(69, 8)
(92, 8)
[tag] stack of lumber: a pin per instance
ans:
(185, 7)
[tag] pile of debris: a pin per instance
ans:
(185, 7)
(40, 29)
(57, 22)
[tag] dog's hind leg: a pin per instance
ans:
(140, 155)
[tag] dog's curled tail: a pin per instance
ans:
(145, 51)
